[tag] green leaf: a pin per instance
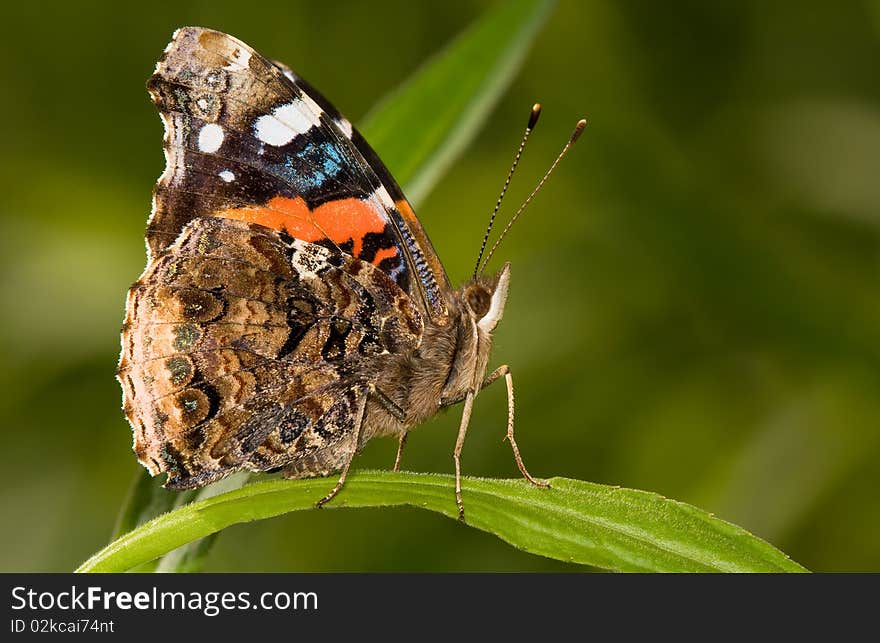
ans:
(420, 129)
(147, 499)
(191, 556)
(607, 527)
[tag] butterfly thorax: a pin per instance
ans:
(450, 361)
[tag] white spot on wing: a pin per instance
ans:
(312, 105)
(308, 258)
(285, 123)
(210, 138)
(381, 194)
(227, 176)
(345, 126)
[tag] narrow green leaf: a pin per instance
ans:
(421, 128)
(147, 499)
(191, 556)
(144, 501)
(581, 522)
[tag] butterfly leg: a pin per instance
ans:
(459, 443)
(357, 440)
(400, 446)
(491, 377)
(398, 414)
(494, 375)
(516, 455)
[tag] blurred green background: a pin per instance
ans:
(695, 300)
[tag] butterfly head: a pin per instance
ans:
(484, 298)
(480, 304)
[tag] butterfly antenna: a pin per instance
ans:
(579, 128)
(533, 119)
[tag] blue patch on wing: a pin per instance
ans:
(332, 159)
(311, 167)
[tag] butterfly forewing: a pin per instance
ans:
(247, 139)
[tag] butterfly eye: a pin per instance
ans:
(479, 300)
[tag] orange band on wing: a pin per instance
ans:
(340, 221)
(280, 213)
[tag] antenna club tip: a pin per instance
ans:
(535, 113)
(578, 129)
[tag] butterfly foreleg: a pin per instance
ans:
(388, 404)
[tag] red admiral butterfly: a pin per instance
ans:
(292, 307)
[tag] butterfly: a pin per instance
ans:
(292, 307)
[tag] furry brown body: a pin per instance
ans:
(450, 361)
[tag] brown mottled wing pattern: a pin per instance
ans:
(246, 349)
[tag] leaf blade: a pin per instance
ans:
(586, 523)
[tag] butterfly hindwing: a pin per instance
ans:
(247, 139)
(246, 349)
